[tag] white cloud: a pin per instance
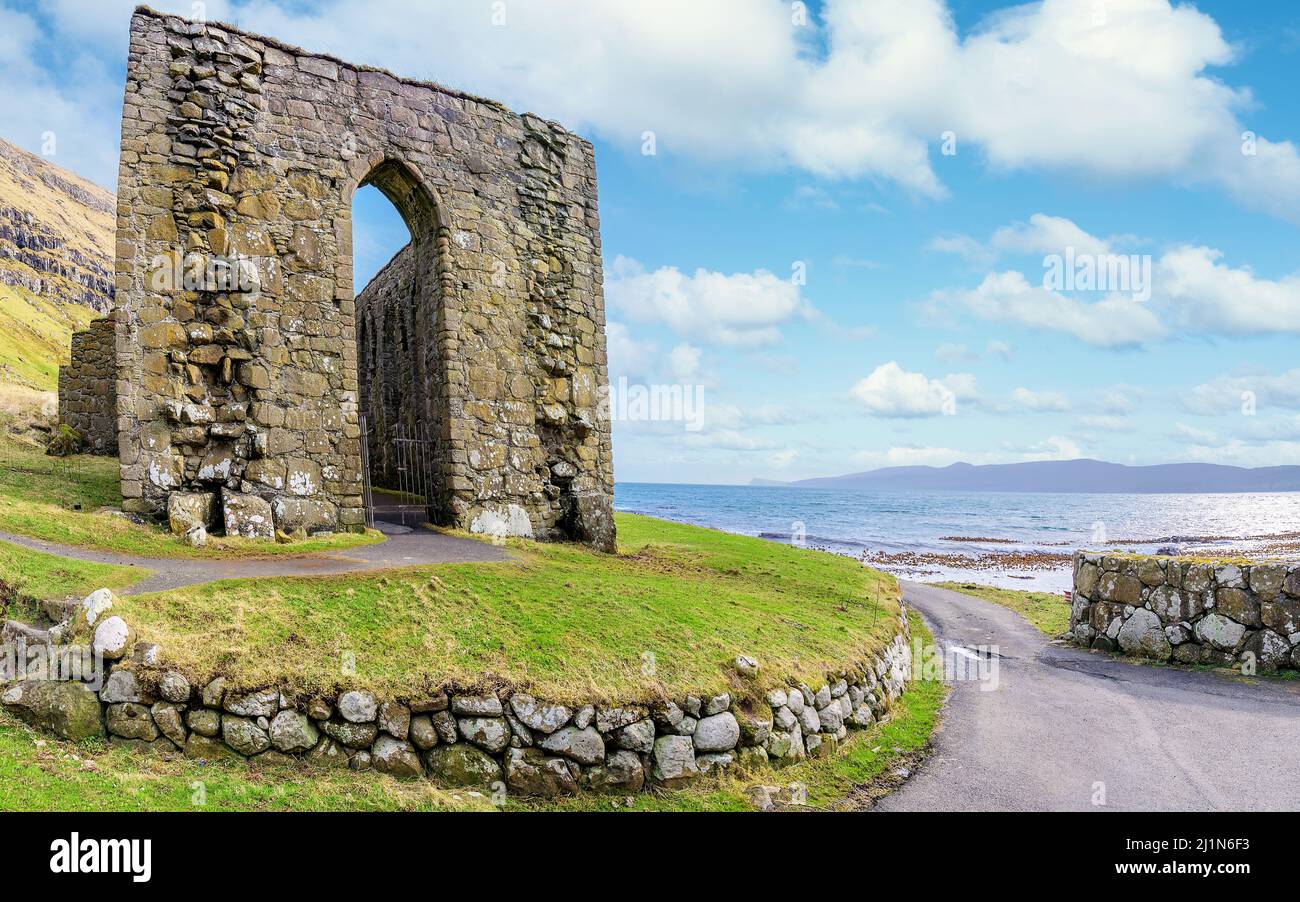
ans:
(1106, 423)
(1003, 349)
(866, 92)
(1115, 321)
(1040, 402)
(1044, 234)
(1205, 294)
(684, 363)
(1052, 448)
(743, 309)
(628, 358)
(1194, 434)
(891, 391)
(1235, 394)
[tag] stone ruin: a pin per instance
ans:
(245, 365)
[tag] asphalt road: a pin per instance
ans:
(1066, 728)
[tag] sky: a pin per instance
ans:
(846, 228)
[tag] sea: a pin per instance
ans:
(1016, 540)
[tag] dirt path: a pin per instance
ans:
(406, 549)
(1066, 729)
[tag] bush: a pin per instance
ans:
(66, 442)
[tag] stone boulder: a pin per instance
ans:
(131, 721)
(358, 706)
(113, 638)
(622, 772)
(306, 514)
(462, 766)
(247, 516)
(244, 736)
(530, 772)
(1219, 632)
(187, 510)
(538, 716)
(396, 758)
(1144, 635)
(583, 746)
(1271, 651)
(489, 733)
(69, 710)
(674, 761)
(717, 733)
(293, 732)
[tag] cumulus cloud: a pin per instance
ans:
(1009, 297)
(891, 391)
(1191, 289)
(1245, 393)
(1040, 402)
(1203, 293)
(866, 91)
(744, 309)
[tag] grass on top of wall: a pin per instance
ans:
(60, 500)
(40, 773)
(667, 615)
(1048, 611)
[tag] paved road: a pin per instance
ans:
(406, 548)
(1064, 720)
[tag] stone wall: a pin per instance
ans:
(88, 387)
(387, 368)
(504, 740)
(237, 359)
(1190, 612)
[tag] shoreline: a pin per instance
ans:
(1013, 563)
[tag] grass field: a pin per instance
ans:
(59, 500)
(1046, 610)
(35, 336)
(42, 576)
(38, 773)
(668, 614)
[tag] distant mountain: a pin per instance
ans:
(56, 264)
(1084, 476)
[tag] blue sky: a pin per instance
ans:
(923, 331)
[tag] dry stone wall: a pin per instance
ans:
(238, 366)
(505, 740)
(88, 387)
(1190, 612)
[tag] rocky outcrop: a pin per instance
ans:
(1244, 614)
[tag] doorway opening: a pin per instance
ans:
(399, 389)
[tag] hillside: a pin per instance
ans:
(56, 264)
(1093, 476)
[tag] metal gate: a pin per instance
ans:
(401, 491)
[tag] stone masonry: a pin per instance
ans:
(237, 343)
(501, 739)
(1191, 612)
(88, 387)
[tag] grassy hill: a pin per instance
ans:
(56, 268)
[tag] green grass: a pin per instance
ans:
(38, 773)
(43, 576)
(848, 780)
(1048, 611)
(59, 500)
(35, 334)
(667, 615)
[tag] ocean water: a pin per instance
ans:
(932, 523)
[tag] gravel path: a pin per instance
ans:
(1066, 726)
